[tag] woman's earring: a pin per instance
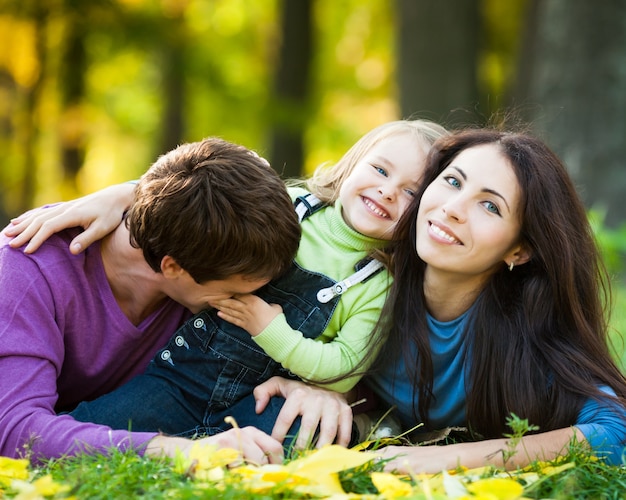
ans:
(511, 265)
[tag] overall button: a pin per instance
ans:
(180, 341)
(167, 356)
(199, 324)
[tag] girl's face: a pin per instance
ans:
(382, 184)
(468, 222)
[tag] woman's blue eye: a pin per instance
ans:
(453, 181)
(492, 207)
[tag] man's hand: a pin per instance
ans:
(318, 407)
(253, 445)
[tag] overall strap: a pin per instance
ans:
(307, 205)
(371, 268)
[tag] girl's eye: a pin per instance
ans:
(410, 192)
(380, 170)
(491, 207)
(453, 181)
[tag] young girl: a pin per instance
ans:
(314, 322)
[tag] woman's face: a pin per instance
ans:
(468, 222)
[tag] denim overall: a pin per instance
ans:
(210, 367)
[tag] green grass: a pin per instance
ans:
(586, 480)
(121, 475)
(612, 244)
(128, 476)
(618, 326)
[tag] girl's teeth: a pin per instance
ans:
(375, 209)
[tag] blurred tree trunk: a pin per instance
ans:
(573, 81)
(30, 129)
(173, 74)
(72, 89)
(437, 57)
(290, 96)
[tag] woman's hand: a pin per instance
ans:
(318, 407)
(544, 446)
(418, 459)
(98, 214)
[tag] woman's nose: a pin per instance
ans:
(455, 209)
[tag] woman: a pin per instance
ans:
(496, 309)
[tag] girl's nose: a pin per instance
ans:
(387, 192)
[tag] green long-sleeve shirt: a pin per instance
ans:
(331, 247)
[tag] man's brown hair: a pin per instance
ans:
(218, 210)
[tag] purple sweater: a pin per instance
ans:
(63, 339)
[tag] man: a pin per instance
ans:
(210, 220)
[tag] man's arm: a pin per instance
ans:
(33, 350)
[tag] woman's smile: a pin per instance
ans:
(468, 220)
(444, 234)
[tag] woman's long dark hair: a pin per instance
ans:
(537, 344)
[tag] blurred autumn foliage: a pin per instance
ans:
(92, 91)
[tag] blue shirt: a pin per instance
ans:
(447, 344)
(604, 426)
(602, 423)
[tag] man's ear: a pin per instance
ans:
(170, 268)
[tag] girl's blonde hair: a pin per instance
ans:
(327, 180)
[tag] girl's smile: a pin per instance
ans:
(382, 184)
(375, 208)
